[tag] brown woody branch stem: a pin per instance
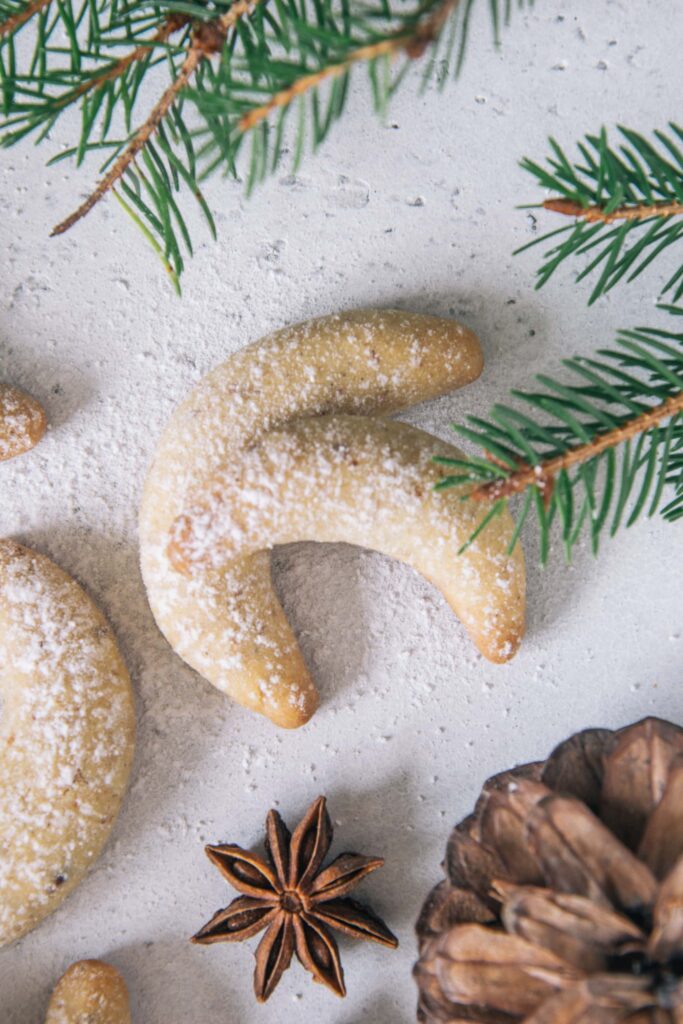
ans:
(543, 475)
(192, 61)
(413, 44)
(307, 82)
(207, 38)
(21, 17)
(172, 24)
(592, 214)
(429, 30)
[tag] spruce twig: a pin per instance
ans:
(194, 58)
(235, 70)
(207, 39)
(585, 452)
(12, 24)
(627, 205)
(384, 48)
(119, 67)
(413, 44)
(544, 473)
(595, 214)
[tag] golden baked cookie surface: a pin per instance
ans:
(22, 422)
(66, 736)
(366, 481)
(90, 992)
(225, 621)
(229, 624)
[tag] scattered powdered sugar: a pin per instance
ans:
(66, 736)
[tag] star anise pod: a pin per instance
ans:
(564, 897)
(296, 900)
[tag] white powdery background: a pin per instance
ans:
(418, 212)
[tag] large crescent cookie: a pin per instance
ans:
(90, 992)
(225, 620)
(66, 736)
(368, 482)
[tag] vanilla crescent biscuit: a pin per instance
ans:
(369, 482)
(90, 992)
(67, 731)
(227, 622)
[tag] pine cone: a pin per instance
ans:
(564, 897)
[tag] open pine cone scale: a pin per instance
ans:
(564, 897)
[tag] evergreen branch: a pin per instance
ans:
(413, 44)
(627, 204)
(89, 73)
(101, 79)
(192, 61)
(283, 98)
(242, 65)
(207, 39)
(543, 474)
(610, 437)
(12, 24)
(119, 67)
(236, 98)
(593, 214)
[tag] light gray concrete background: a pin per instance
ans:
(420, 213)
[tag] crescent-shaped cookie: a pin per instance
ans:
(66, 736)
(368, 482)
(90, 992)
(229, 625)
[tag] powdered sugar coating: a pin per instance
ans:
(369, 482)
(228, 623)
(66, 736)
(22, 422)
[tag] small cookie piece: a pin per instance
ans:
(22, 422)
(229, 625)
(90, 992)
(66, 736)
(369, 482)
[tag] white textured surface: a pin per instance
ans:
(419, 214)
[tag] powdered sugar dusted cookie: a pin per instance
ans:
(67, 731)
(225, 620)
(368, 482)
(22, 422)
(90, 992)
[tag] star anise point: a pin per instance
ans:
(297, 900)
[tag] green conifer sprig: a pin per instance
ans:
(590, 454)
(270, 76)
(625, 205)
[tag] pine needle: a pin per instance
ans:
(626, 205)
(607, 441)
(240, 65)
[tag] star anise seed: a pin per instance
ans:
(296, 900)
